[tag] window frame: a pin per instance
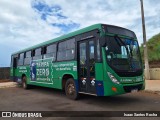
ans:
(26, 57)
(34, 53)
(27, 52)
(19, 58)
(54, 43)
(76, 38)
(65, 40)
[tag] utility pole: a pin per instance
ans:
(147, 73)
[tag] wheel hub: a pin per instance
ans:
(71, 89)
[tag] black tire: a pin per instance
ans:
(24, 83)
(70, 89)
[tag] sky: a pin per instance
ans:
(24, 23)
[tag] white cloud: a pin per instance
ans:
(21, 25)
(122, 13)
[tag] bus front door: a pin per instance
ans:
(86, 66)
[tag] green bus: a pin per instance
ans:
(100, 60)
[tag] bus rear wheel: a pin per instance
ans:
(70, 89)
(24, 82)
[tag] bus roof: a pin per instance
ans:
(86, 29)
(83, 30)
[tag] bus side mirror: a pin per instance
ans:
(102, 41)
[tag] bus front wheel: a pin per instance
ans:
(70, 89)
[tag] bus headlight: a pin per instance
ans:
(114, 80)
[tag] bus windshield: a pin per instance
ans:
(123, 54)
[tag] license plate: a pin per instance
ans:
(134, 90)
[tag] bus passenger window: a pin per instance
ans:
(66, 50)
(20, 59)
(37, 54)
(27, 58)
(50, 52)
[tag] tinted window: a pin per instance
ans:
(21, 58)
(83, 53)
(83, 60)
(98, 51)
(37, 57)
(120, 31)
(28, 58)
(51, 48)
(91, 50)
(50, 52)
(66, 50)
(123, 57)
(37, 54)
(27, 61)
(28, 54)
(62, 46)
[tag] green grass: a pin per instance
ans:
(153, 48)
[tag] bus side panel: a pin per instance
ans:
(49, 74)
(99, 79)
(109, 86)
(63, 68)
(99, 71)
(15, 74)
(40, 73)
(19, 71)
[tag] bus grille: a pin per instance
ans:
(129, 88)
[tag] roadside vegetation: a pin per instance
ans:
(153, 51)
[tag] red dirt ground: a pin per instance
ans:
(7, 80)
(154, 64)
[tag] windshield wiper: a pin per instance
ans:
(118, 39)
